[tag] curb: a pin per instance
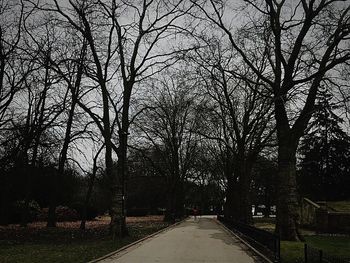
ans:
(136, 242)
(262, 256)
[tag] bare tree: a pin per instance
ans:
(305, 42)
(126, 41)
(91, 182)
(10, 35)
(243, 114)
(168, 125)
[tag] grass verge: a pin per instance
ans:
(334, 245)
(64, 245)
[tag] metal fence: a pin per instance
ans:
(313, 255)
(267, 243)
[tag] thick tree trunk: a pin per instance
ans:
(170, 212)
(51, 216)
(231, 203)
(26, 170)
(245, 206)
(4, 201)
(244, 203)
(118, 219)
(179, 205)
(25, 208)
(230, 207)
(267, 203)
(287, 203)
(118, 213)
(117, 225)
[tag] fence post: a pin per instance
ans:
(278, 248)
(305, 252)
(320, 254)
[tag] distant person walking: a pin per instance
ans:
(195, 213)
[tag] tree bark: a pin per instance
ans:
(89, 191)
(230, 208)
(118, 220)
(244, 203)
(170, 208)
(231, 203)
(287, 203)
(118, 214)
(4, 201)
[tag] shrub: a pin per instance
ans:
(63, 213)
(135, 211)
(17, 209)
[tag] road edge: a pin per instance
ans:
(259, 254)
(137, 242)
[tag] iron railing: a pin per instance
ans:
(265, 242)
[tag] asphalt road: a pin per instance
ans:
(202, 240)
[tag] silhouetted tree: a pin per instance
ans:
(303, 43)
(325, 150)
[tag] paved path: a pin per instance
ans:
(202, 240)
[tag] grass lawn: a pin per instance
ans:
(292, 251)
(334, 245)
(67, 243)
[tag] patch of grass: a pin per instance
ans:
(341, 206)
(334, 245)
(291, 251)
(60, 249)
(59, 253)
(265, 223)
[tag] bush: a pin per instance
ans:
(63, 213)
(17, 209)
(91, 211)
(137, 211)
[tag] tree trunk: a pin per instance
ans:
(179, 205)
(171, 203)
(231, 204)
(87, 200)
(5, 200)
(118, 220)
(26, 170)
(89, 191)
(244, 204)
(118, 217)
(287, 203)
(25, 208)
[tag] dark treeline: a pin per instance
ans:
(159, 106)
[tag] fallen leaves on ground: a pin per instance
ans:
(69, 231)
